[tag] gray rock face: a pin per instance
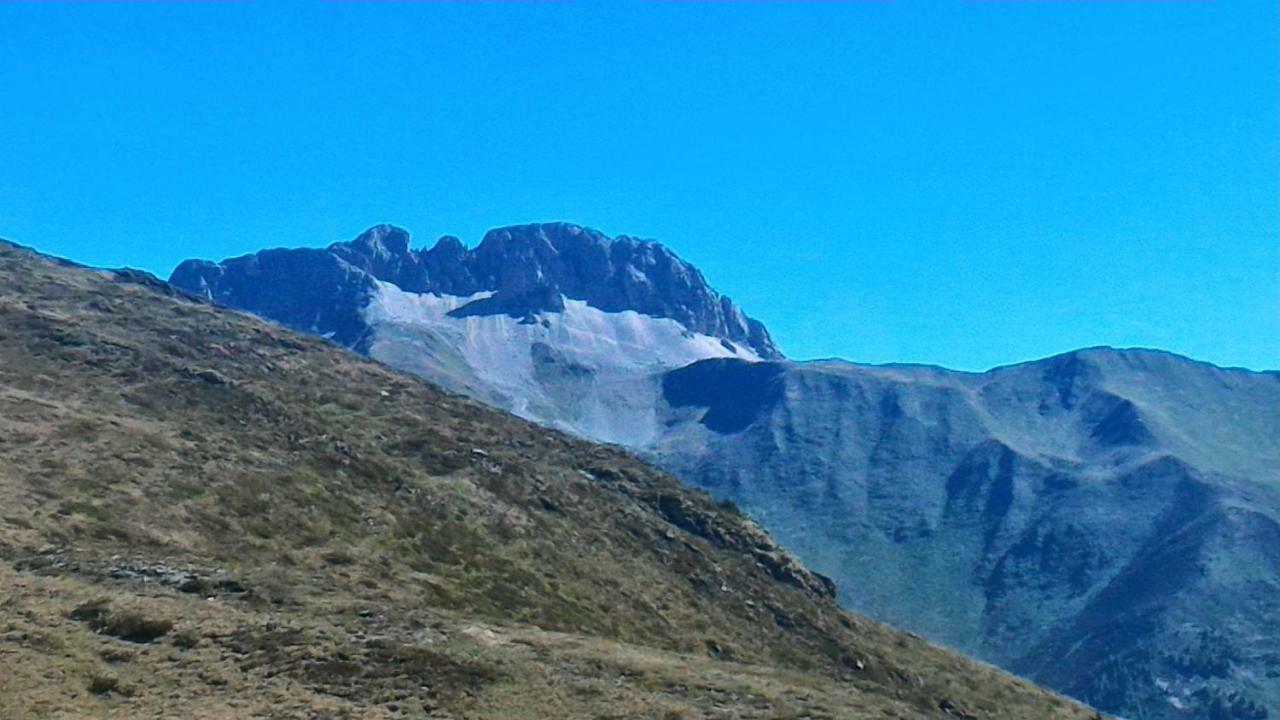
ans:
(528, 268)
(312, 290)
(1104, 522)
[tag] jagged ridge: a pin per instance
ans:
(528, 268)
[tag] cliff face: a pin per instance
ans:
(523, 270)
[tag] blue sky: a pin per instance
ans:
(961, 183)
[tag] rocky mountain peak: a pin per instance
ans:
(448, 246)
(383, 241)
(614, 275)
(382, 251)
(517, 265)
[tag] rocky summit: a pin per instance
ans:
(1106, 522)
(521, 271)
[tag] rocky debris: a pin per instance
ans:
(784, 567)
(781, 617)
(205, 583)
(216, 583)
(688, 517)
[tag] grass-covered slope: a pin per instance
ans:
(205, 515)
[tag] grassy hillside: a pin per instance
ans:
(205, 515)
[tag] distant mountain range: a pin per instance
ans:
(1106, 522)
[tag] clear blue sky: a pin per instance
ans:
(961, 183)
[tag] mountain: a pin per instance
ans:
(203, 514)
(1104, 521)
(532, 314)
